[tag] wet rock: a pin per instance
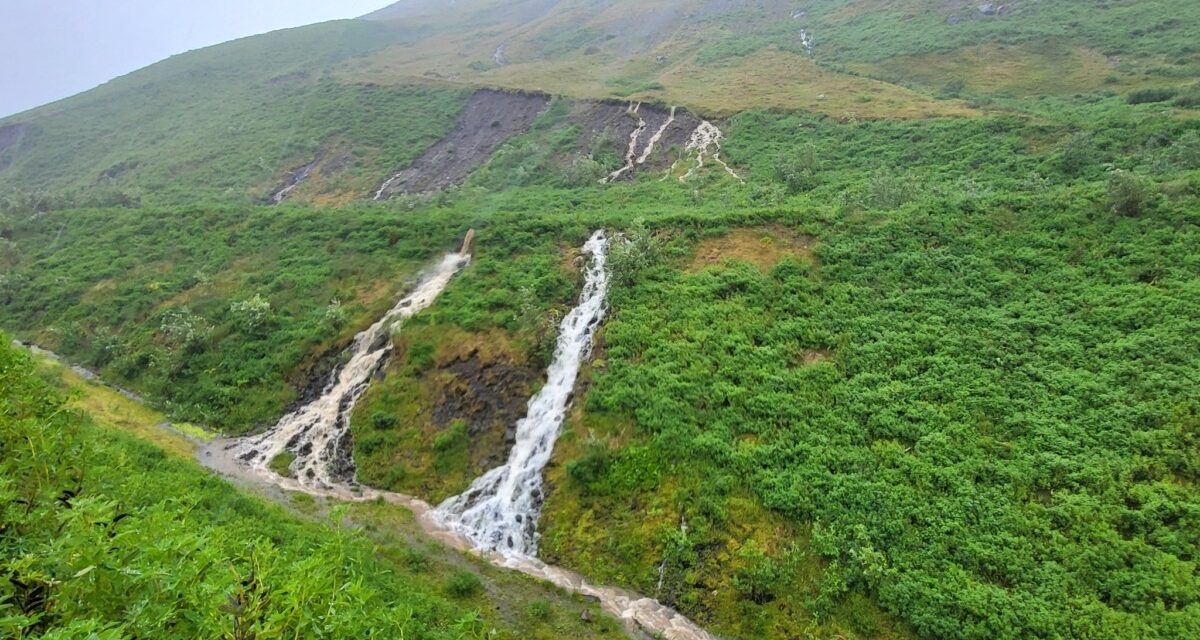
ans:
(293, 180)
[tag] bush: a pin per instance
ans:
(1143, 96)
(759, 578)
(382, 420)
(589, 468)
(1128, 194)
(1077, 152)
(1189, 99)
(798, 170)
(464, 584)
(889, 190)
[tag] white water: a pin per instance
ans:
(324, 421)
(806, 40)
(653, 142)
(318, 433)
(384, 187)
(499, 512)
(706, 142)
(631, 153)
(297, 176)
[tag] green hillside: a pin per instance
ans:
(106, 536)
(922, 361)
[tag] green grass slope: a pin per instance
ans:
(106, 536)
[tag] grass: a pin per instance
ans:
(395, 536)
(111, 409)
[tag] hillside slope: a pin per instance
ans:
(347, 104)
(864, 373)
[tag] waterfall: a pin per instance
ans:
(500, 510)
(631, 153)
(318, 433)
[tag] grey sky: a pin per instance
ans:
(52, 49)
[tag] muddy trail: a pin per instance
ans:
(489, 119)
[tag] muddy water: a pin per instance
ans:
(318, 433)
(502, 505)
(500, 510)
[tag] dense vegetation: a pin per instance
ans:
(913, 378)
(104, 536)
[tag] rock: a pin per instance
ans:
(990, 9)
(586, 616)
(953, 20)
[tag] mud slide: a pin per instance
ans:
(670, 129)
(489, 119)
(293, 180)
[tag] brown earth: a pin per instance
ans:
(488, 395)
(763, 247)
(293, 178)
(620, 121)
(489, 119)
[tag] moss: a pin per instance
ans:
(282, 464)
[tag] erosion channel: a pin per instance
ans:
(496, 517)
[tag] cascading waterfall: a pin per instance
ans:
(631, 153)
(503, 505)
(499, 512)
(318, 433)
(653, 142)
(706, 141)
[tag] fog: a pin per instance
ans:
(55, 49)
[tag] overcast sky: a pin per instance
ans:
(52, 49)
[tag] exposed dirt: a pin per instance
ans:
(489, 395)
(621, 121)
(14, 138)
(763, 247)
(293, 178)
(489, 119)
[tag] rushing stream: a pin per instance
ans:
(497, 517)
(318, 433)
(499, 512)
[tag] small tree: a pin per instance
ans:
(798, 170)
(251, 315)
(1128, 193)
(1077, 152)
(639, 251)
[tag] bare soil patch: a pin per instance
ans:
(489, 119)
(763, 247)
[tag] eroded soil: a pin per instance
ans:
(489, 119)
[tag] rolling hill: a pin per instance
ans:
(901, 335)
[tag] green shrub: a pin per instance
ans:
(464, 584)
(1128, 193)
(382, 420)
(591, 467)
(1143, 96)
